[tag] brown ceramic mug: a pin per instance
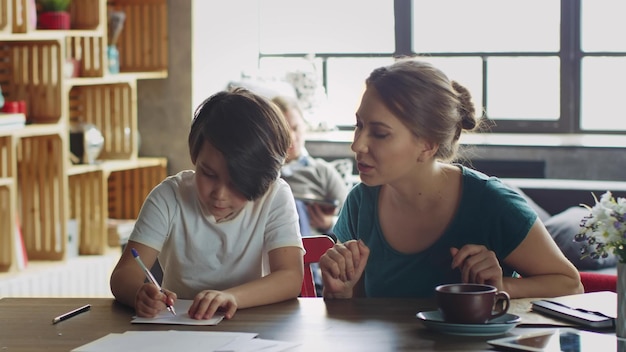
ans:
(471, 303)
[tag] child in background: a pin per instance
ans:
(226, 234)
(310, 176)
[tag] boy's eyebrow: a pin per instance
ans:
(205, 167)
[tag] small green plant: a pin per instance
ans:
(54, 5)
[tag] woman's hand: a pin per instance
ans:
(342, 267)
(320, 217)
(208, 302)
(149, 301)
(478, 265)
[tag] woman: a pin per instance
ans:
(416, 220)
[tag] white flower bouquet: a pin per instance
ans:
(604, 229)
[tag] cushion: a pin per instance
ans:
(344, 167)
(563, 227)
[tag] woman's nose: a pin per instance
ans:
(358, 143)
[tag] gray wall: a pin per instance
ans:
(164, 106)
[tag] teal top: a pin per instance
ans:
(489, 214)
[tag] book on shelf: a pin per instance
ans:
(12, 121)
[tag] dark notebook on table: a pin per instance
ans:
(596, 310)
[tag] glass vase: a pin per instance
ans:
(113, 56)
(620, 329)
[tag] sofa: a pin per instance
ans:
(558, 204)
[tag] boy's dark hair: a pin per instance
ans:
(249, 131)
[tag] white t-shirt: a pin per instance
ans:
(197, 253)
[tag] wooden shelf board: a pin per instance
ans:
(6, 181)
(44, 35)
(147, 75)
(109, 166)
(126, 77)
(39, 129)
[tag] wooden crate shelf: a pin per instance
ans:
(18, 15)
(123, 185)
(7, 224)
(7, 203)
(87, 207)
(110, 108)
(30, 72)
(86, 15)
(5, 16)
(143, 42)
(127, 189)
(7, 157)
(42, 189)
(38, 184)
(88, 53)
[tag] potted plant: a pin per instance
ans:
(53, 14)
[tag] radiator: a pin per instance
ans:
(81, 276)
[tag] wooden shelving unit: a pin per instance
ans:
(39, 185)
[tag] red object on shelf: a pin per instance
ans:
(54, 20)
(21, 106)
(11, 107)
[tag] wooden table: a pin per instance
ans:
(335, 325)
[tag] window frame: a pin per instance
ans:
(570, 56)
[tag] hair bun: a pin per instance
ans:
(466, 107)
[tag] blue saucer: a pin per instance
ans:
(497, 326)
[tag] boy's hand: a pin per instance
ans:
(149, 301)
(208, 302)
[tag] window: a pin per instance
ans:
(531, 65)
(603, 65)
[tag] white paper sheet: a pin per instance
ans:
(242, 345)
(166, 341)
(182, 318)
(188, 341)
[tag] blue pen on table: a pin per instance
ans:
(151, 278)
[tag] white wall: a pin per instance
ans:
(224, 43)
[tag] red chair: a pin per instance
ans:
(315, 247)
(594, 282)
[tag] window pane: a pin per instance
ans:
(346, 83)
(326, 26)
(603, 25)
(523, 88)
(602, 91)
(486, 25)
(302, 75)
